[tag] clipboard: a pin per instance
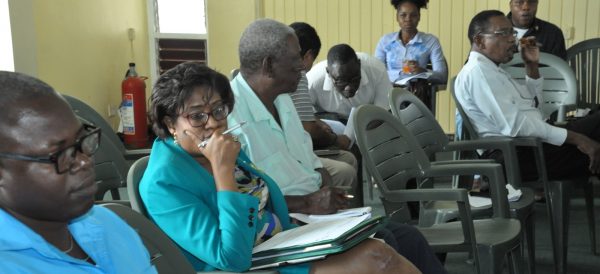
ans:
(318, 249)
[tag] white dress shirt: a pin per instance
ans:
(374, 87)
(499, 106)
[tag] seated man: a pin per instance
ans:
(346, 80)
(499, 106)
(273, 136)
(522, 16)
(270, 66)
(321, 134)
(49, 221)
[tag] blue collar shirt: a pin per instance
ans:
(111, 243)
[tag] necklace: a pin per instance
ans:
(70, 245)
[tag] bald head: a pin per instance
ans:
(20, 97)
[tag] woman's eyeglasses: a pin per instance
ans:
(64, 159)
(199, 119)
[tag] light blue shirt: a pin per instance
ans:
(110, 242)
(424, 48)
(283, 152)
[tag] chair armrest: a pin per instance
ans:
(134, 154)
(326, 152)
(428, 194)
(469, 161)
(494, 172)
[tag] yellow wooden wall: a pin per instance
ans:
(361, 23)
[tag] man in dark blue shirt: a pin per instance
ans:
(522, 15)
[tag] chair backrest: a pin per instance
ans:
(86, 112)
(391, 153)
(584, 59)
(134, 177)
(560, 86)
(164, 254)
(419, 120)
(468, 131)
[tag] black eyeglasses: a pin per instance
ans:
(64, 159)
(501, 33)
(342, 83)
(198, 119)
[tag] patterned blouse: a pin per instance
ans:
(268, 224)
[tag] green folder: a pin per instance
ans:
(318, 249)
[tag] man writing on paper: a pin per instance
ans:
(322, 135)
(348, 79)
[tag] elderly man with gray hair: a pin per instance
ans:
(273, 136)
(270, 66)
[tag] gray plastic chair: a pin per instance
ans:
(558, 193)
(134, 177)
(583, 58)
(393, 157)
(112, 160)
(164, 254)
(559, 88)
(431, 137)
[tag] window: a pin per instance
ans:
(6, 49)
(177, 33)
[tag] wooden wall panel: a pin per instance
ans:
(360, 23)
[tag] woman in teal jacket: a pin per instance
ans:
(209, 198)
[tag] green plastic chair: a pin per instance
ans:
(558, 192)
(393, 157)
(559, 87)
(583, 58)
(431, 137)
(112, 160)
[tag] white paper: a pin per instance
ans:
(336, 126)
(349, 130)
(513, 194)
(341, 214)
(476, 201)
(310, 233)
(422, 75)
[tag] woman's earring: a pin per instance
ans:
(175, 138)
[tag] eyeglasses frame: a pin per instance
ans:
(53, 157)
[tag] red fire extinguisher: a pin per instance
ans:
(133, 109)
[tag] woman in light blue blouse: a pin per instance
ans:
(209, 198)
(408, 51)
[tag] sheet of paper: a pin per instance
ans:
(349, 130)
(345, 213)
(476, 201)
(422, 75)
(336, 126)
(310, 233)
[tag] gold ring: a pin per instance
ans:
(235, 138)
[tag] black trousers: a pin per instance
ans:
(564, 161)
(410, 243)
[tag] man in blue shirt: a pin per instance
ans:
(47, 186)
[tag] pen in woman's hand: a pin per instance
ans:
(234, 127)
(205, 142)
